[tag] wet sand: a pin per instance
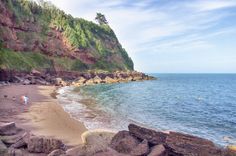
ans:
(43, 115)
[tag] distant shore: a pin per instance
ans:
(43, 115)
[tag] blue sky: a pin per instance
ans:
(169, 36)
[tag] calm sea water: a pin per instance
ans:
(199, 104)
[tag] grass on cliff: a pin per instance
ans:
(68, 64)
(23, 61)
(26, 61)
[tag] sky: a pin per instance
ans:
(169, 36)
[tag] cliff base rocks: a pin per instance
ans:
(70, 78)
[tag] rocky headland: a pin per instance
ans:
(71, 78)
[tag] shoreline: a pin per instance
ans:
(89, 114)
(43, 116)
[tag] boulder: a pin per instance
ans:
(78, 151)
(35, 72)
(158, 150)
(48, 78)
(93, 142)
(188, 145)
(58, 81)
(101, 75)
(81, 80)
(140, 149)
(97, 80)
(41, 82)
(26, 82)
(37, 144)
(19, 144)
(17, 79)
(109, 80)
(87, 76)
(21, 141)
(124, 142)
(15, 152)
(10, 140)
(109, 152)
(33, 81)
(97, 140)
(152, 136)
(8, 128)
(3, 148)
(57, 152)
(137, 78)
(130, 78)
(89, 82)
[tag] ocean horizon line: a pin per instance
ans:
(185, 73)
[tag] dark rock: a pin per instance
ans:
(21, 141)
(36, 72)
(3, 148)
(17, 79)
(151, 136)
(58, 81)
(26, 82)
(78, 151)
(188, 145)
(8, 128)
(41, 82)
(124, 142)
(87, 76)
(141, 149)
(158, 150)
(37, 144)
(109, 152)
(33, 81)
(9, 140)
(19, 144)
(57, 152)
(15, 152)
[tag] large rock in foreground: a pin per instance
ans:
(151, 136)
(158, 150)
(142, 141)
(189, 145)
(38, 144)
(8, 128)
(124, 142)
(3, 148)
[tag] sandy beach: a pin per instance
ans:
(43, 115)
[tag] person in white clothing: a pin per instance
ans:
(26, 99)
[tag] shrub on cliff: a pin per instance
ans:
(45, 24)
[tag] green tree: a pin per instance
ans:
(101, 19)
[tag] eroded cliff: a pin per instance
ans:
(40, 36)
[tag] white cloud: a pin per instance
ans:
(209, 5)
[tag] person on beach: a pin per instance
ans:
(24, 99)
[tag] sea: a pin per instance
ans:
(199, 104)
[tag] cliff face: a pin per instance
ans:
(63, 42)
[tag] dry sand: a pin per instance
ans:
(43, 115)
